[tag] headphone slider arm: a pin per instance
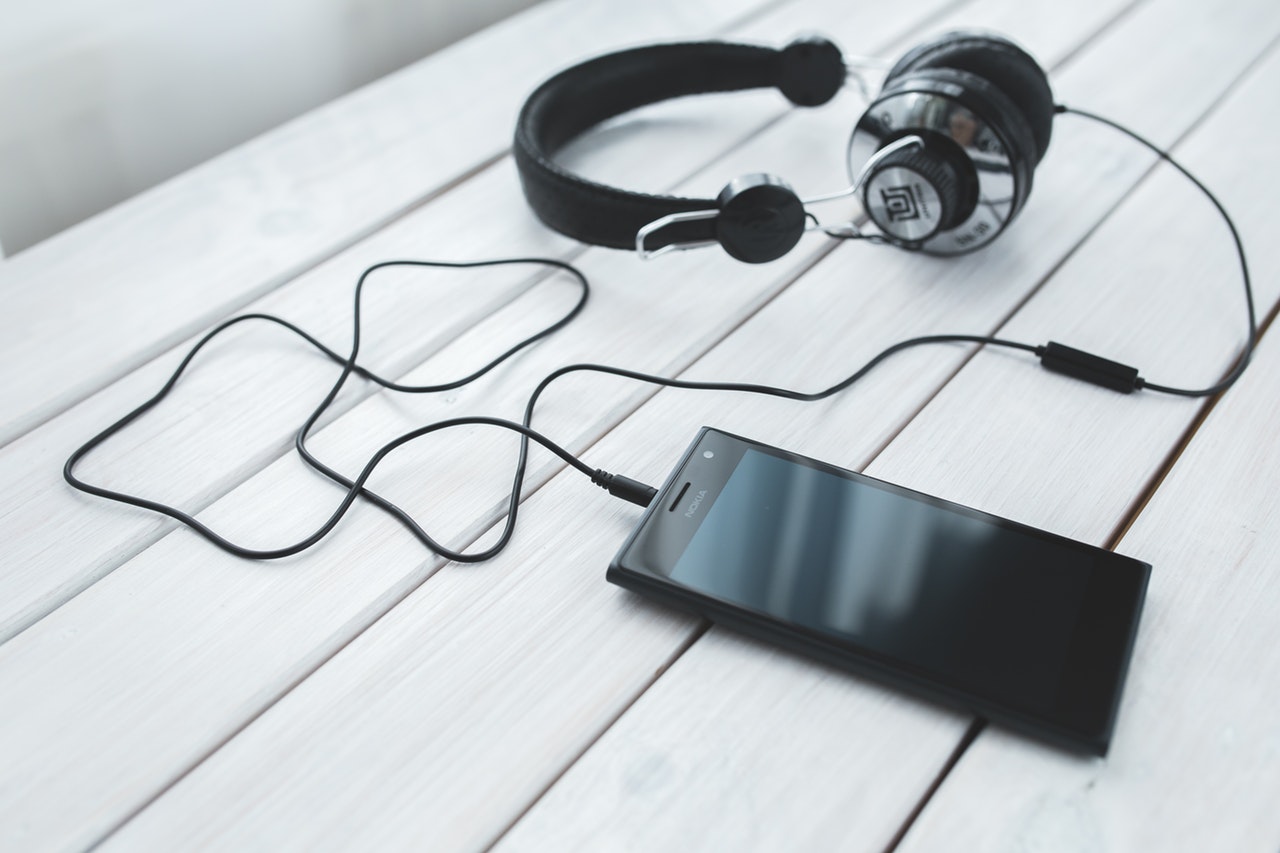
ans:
(642, 235)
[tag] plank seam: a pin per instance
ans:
(966, 740)
(1108, 24)
(749, 17)
(1157, 479)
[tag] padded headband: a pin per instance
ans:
(808, 72)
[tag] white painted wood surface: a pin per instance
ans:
(159, 694)
(254, 415)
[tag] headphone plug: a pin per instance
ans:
(624, 487)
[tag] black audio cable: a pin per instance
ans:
(1251, 340)
(349, 366)
(1054, 356)
(1104, 372)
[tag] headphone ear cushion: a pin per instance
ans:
(1001, 63)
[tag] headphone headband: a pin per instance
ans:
(808, 72)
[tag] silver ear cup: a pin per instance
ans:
(924, 104)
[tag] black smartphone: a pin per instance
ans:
(1017, 625)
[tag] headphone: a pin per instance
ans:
(942, 159)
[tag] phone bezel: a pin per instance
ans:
(1099, 650)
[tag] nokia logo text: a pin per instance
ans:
(697, 501)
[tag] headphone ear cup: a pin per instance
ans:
(1001, 63)
(968, 112)
(760, 218)
(986, 101)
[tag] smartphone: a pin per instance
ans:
(1016, 625)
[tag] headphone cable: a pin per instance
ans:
(1062, 359)
(1251, 340)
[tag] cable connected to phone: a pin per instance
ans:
(1053, 356)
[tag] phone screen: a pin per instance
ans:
(1035, 624)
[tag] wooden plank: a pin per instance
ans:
(496, 660)
(1196, 760)
(173, 259)
(255, 631)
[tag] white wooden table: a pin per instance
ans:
(156, 693)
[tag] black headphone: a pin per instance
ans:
(941, 160)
